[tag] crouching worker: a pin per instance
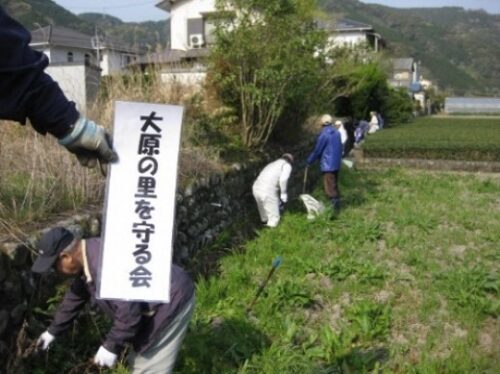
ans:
(269, 189)
(155, 330)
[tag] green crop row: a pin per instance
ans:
(472, 139)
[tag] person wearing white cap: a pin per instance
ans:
(328, 150)
(270, 189)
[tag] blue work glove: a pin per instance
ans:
(89, 142)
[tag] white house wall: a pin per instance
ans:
(180, 13)
(60, 55)
(76, 83)
(348, 39)
(111, 62)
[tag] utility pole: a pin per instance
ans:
(98, 46)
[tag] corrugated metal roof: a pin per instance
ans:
(472, 105)
(171, 56)
(165, 57)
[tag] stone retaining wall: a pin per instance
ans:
(205, 208)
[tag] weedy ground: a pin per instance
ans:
(450, 138)
(39, 179)
(404, 280)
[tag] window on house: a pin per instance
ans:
(87, 59)
(70, 57)
(195, 32)
(126, 59)
(209, 28)
(210, 20)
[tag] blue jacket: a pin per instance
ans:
(25, 90)
(328, 148)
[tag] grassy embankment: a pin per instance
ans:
(405, 280)
(459, 138)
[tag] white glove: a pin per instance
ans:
(89, 142)
(44, 340)
(104, 357)
(284, 197)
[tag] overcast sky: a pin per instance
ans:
(145, 10)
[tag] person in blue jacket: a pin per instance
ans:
(27, 92)
(328, 150)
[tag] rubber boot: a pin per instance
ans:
(336, 205)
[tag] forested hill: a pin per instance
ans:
(38, 13)
(458, 49)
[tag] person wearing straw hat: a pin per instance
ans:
(154, 330)
(270, 189)
(328, 150)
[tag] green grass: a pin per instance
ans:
(405, 280)
(474, 139)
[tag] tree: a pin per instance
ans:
(356, 83)
(263, 60)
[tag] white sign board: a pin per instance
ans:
(136, 253)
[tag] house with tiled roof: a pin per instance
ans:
(351, 34)
(77, 60)
(192, 23)
(406, 74)
(63, 45)
(73, 62)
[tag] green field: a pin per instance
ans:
(405, 280)
(472, 139)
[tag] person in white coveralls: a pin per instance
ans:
(374, 125)
(270, 189)
(343, 133)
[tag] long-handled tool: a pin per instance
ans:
(304, 184)
(275, 265)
